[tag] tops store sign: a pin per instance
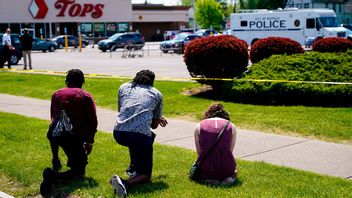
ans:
(39, 9)
(66, 11)
(75, 9)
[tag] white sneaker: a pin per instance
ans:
(118, 186)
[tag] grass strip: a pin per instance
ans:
(328, 124)
(25, 152)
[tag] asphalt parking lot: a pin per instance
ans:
(92, 60)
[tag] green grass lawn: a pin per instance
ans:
(25, 152)
(328, 124)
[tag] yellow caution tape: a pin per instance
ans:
(179, 79)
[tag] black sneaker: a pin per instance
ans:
(119, 186)
(56, 165)
(131, 171)
(48, 181)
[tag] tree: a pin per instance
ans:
(229, 10)
(186, 2)
(209, 14)
(262, 4)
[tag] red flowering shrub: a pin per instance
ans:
(332, 44)
(266, 47)
(216, 57)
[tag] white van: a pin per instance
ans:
(297, 24)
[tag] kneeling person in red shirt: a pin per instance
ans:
(80, 108)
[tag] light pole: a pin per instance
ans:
(194, 16)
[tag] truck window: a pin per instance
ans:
(329, 21)
(244, 23)
(310, 24)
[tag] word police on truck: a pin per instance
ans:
(297, 24)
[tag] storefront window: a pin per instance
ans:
(15, 28)
(111, 28)
(47, 30)
(3, 27)
(39, 30)
(123, 27)
(87, 29)
(99, 29)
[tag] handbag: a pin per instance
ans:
(194, 172)
(61, 126)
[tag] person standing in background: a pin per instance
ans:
(26, 41)
(6, 42)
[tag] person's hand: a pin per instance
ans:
(88, 147)
(163, 122)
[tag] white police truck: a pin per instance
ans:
(298, 24)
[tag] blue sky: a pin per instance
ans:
(166, 2)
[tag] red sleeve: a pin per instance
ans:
(92, 121)
(54, 108)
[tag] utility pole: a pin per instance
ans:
(194, 16)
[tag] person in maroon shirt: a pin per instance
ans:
(80, 108)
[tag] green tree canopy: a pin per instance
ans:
(186, 2)
(262, 4)
(209, 14)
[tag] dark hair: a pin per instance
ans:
(216, 110)
(75, 78)
(144, 77)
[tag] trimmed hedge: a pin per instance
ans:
(264, 48)
(216, 57)
(319, 67)
(332, 44)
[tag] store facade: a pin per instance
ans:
(152, 20)
(47, 18)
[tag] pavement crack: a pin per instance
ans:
(273, 149)
(176, 139)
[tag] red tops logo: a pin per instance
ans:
(39, 9)
(75, 9)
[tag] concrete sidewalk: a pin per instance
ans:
(316, 156)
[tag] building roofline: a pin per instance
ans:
(158, 7)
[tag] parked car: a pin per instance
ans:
(170, 34)
(43, 45)
(16, 54)
(72, 41)
(85, 40)
(189, 30)
(347, 26)
(227, 32)
(206, 32)
(177, 44)
(349, 34)
(120, 40)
